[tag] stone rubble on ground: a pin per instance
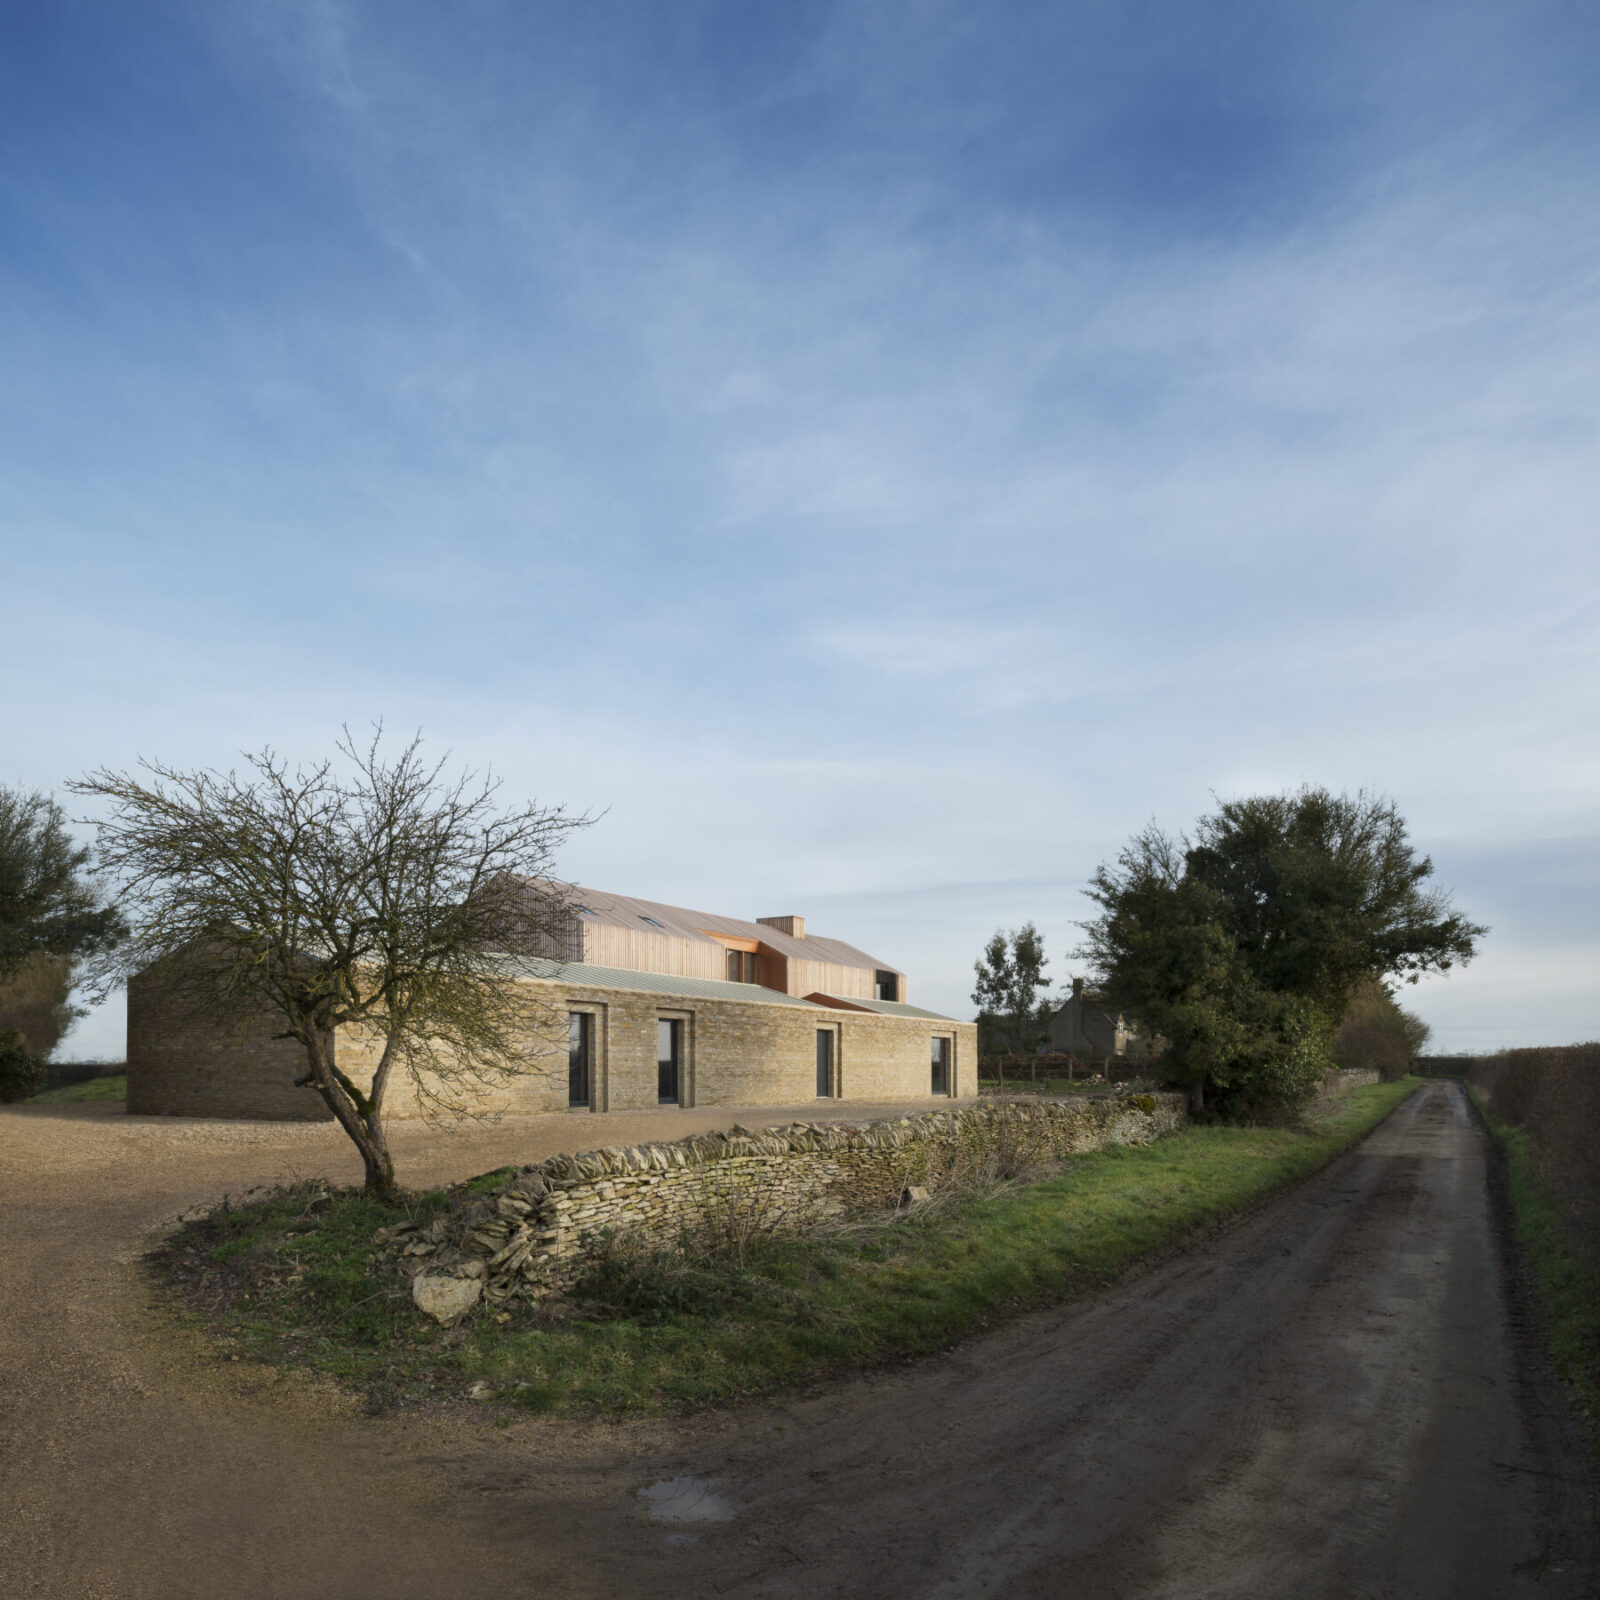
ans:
(445, 1298)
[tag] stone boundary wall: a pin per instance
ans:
(1341, 1080)
(529, 1238)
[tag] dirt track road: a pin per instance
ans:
(1326, 1402)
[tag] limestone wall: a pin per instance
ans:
(735, 1052)
(1341, 1080)
(531, 1236)
(182, 1065)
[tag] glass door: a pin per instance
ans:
(580, 1056)
(941, 1066)
(824, 1063)
(669, 1059)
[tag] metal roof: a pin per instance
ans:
(581, 972)
(891, 1008)
(625, 911)
(668, 983)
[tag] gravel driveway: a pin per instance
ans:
(1329, 1400)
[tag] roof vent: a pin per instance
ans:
(795, 927)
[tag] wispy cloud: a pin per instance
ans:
(868, 448)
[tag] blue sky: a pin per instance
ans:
(881, 454)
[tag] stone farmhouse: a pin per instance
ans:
(640, 1005)
(1081, 1026)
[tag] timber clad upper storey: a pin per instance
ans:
(613, 930)
(639, 1005)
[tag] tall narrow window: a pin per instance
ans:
(888, 985)
(669, 1060)
(941, 1066)
(580, 1057)
(824, 1063)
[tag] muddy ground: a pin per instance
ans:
(1331, 1399)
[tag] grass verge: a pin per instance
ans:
(290, 1277)
(95, 1089)
(1566, 1294)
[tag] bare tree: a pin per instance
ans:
(371, 898)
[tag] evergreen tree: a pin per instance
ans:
(1011, 1012)
(48, 905)
(1243, 946)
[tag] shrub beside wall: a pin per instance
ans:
(65, 1074)
(20, 1071)
(532, 1235)
(1376, 1034)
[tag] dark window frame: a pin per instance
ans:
(942, 1063)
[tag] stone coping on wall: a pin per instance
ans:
(529, 1237)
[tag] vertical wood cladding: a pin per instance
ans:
(734, 1053)
(644, 950)
(607, 930)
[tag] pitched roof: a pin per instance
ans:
(667, 983)
(892, 1008)
(624, 911)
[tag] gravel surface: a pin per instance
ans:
(1328, 1400)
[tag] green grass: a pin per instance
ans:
(289, 1277)
(1567, 1295)
(77, 1094)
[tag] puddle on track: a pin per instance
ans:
(686, 1500)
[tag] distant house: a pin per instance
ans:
(656, 1005)
(1083, 1027)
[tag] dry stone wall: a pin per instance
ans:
(530, 1237)
(1341, 1080)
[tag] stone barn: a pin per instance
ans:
(639, 1004)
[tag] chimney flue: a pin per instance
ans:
(795, 927)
